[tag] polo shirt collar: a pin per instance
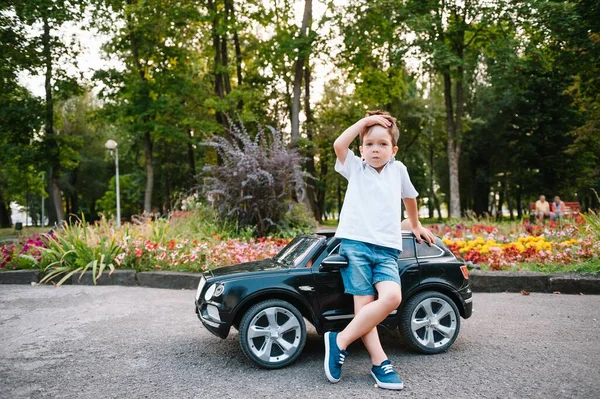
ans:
(365, 164)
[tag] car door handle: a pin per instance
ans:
(412, 270)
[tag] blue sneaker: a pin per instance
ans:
(386, 377)
(334, 357)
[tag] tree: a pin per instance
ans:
(45, 48)
(159, 82)
(19, 121)
(19, 151)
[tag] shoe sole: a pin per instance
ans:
(326, 363)
(388, 385)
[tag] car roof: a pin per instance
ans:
(331, 232)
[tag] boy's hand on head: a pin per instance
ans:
(382, 120)
(422, 233)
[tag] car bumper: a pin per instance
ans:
(466, 297)
(217, 327)
(469, 308)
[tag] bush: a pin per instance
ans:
(298, 220)
(256, 180)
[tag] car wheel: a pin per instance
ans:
(430, 322)
(272, 333)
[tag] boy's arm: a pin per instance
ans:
(341, 144)
(413, 215)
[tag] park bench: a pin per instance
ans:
(572, 209)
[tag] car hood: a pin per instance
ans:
(248, 267)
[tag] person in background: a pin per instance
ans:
(559, 208)
(542, 209)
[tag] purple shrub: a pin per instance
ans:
(256, 179)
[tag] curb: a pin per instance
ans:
(481, 281)
(564, 283)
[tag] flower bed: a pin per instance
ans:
(194, 242)
(196, 255)
(146, 245)
(503, 247)
(22, 255)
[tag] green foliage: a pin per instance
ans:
(593, 221)
(204, 223)
(131, 195)
(298, 220)
(78, 248)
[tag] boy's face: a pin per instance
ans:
(377, 148)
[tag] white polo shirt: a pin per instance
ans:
(372, 209)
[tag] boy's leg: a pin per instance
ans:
(370, 339)
(372, 313)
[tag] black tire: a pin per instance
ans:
(260, 332)
(430, 334)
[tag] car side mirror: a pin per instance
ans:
(333, 262)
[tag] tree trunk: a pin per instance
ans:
(149, 173)
(166, 203)
(224, 54)
(238, 50)
(453, 154)
(509, 203)
(5, 214)
(218, 67)
(145, 96)
(438, 206)
(431, 180)
(73, 195)
(51, 143)
(301, 190)
(310, 156)
(499, 214)
(298, 69)
(225, 65)
(519, 203)
(321, 188)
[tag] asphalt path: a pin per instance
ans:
(130, 342)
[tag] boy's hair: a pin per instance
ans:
(392, 130)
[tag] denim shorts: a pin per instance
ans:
(368, 264)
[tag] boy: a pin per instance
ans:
(372, 239)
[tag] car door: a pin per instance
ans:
(408, 267)
(337, 308)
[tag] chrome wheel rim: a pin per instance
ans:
(274, 335)
(433, 323)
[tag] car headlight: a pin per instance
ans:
(214, 291)
(209, 292)
(200, 286)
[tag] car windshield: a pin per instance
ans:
(295, 252)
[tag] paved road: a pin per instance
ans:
(119, 342)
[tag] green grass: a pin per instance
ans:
(27, 231)
(329, 223)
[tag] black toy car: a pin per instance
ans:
(268, 301)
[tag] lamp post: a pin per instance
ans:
(112, 147)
